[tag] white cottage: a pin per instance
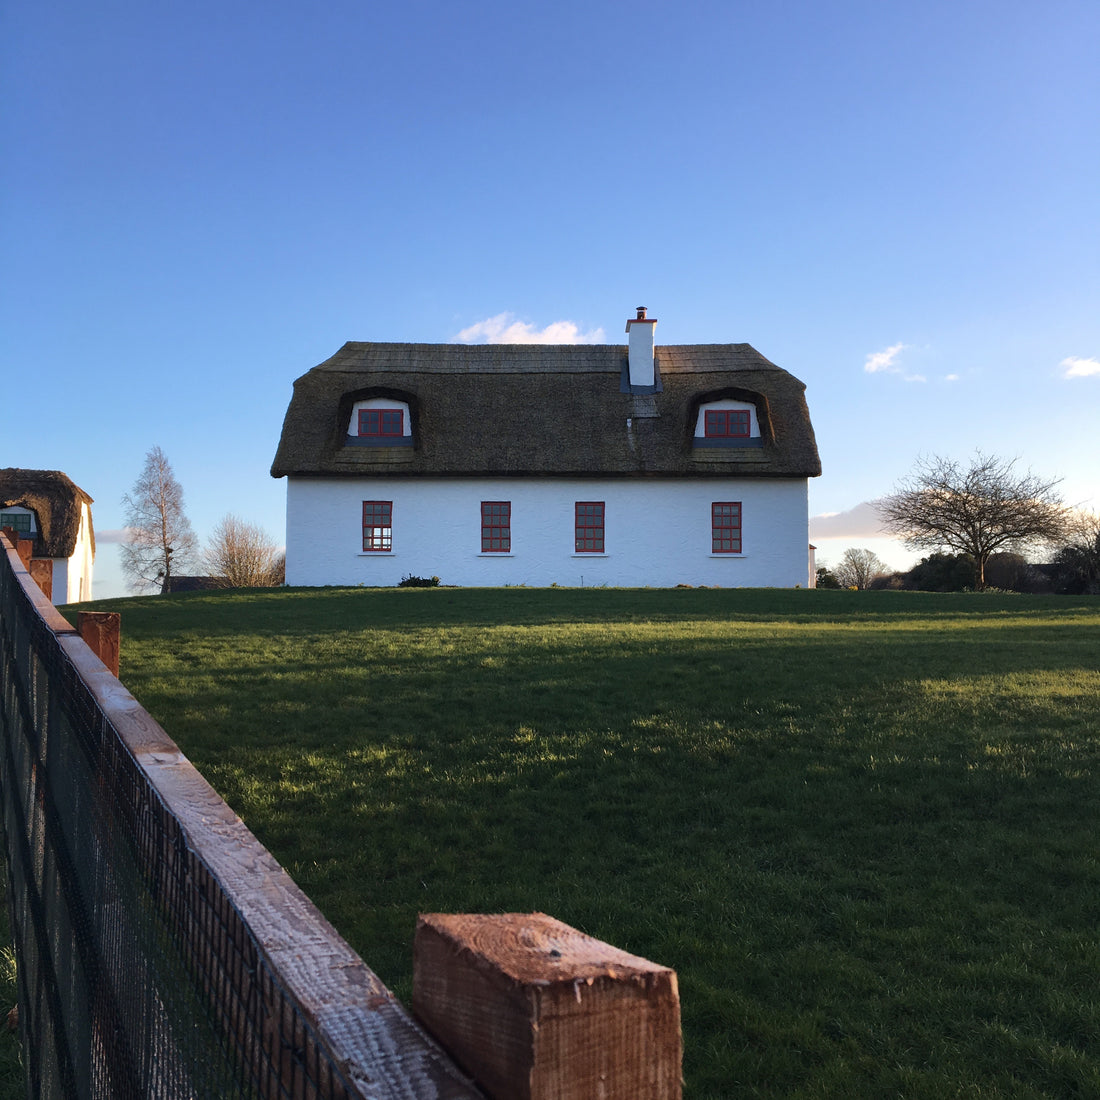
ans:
(548, 464)
(46, 505)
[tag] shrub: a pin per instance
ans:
(418, 582)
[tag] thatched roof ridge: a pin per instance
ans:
(543, 410)
(55, 501)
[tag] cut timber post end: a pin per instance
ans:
(41, 571)
(534, 1009)
(101, 630)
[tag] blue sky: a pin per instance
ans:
(897, 203)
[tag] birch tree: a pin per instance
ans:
(159, 542)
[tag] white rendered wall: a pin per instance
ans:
(657, 532)
(72, 576)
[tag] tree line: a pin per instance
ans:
(161, 546)
(979, 520)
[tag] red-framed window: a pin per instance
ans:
(725, 527)
(726, 423)
(377, 524)
(496, 526)
(589, 526)
(381, 422)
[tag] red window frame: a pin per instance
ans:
(496, 526)
(381, 422)
(377, 526)
(725, 527)
(727, 423)
(588, 523)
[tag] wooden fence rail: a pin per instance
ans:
(307, 1017)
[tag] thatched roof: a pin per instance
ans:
(543, 410)
(55, 501)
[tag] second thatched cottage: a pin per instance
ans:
(48, 507)
(548, 464)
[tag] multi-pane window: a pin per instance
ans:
(19, 521)
(377, 524)
(496, 526)
(725, 527)
(726, 423)
(381, 421)
(589, 526)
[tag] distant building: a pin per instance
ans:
(540, 464)
(191, 584)
(46, 505)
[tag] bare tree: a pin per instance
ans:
(858, 568)
(977, 511)
(1077, 563)
(244, 555)
(160, 542)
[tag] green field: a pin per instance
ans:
(861, 826)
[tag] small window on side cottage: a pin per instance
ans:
(18, 521)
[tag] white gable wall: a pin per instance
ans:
(657, 532)
(72, 576)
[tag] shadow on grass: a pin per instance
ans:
(865, 844)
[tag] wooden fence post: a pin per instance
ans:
(533, 1009)
(41, 571)
(101, 630)
(25, 546)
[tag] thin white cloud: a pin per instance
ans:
(1076, 367)
(860, 522)
(950, 377)
(884, 361)
(104, 538)
(505, 329)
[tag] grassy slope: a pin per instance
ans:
(861, 826)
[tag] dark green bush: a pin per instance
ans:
(418, 582)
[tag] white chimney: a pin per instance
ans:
(640, 329)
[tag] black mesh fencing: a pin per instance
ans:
(138, 974)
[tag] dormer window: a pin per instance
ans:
(381, 422)
(727, 424)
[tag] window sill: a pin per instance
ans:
(378, 441)
(376, 553)
(495, 554)
(728, 554)
(732, 442)
(591, 554)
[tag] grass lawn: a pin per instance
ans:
(862, 827)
